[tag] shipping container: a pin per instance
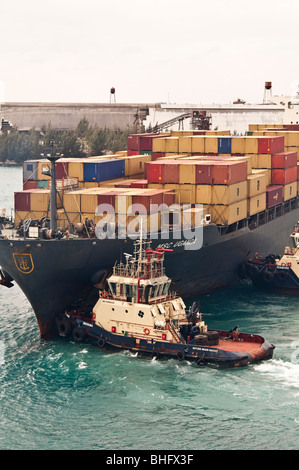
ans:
(229, 172)
(198, 144)
(43, 167)
(155, 172)
(251, 145)
(186, 194)
(290, 191)
(22, 200)
(61, 169)
(257, 184)
(43, 184)
(187, 172)
(270, 145)
(185, 144)
(133, 153)
(281, 177)
(172, 145)
(228, 214)
(159, 145)
(245, 158)
(171, 171)
(203, 173)
(273, 195)
(103, 170)
(30, 184)
(139, 184)
(148, 201)
(262, 161)
(30, 170)
(237, 145)
(284, 160)
(229, 194)
(203, 194)
(257, 204)
(211, 144)
(134, 165)
(224, 145)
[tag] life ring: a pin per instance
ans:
(283, 264)
(146, 331)
(289, 264)
(104, 294)
(101, 342)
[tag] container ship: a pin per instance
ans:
(213, 198)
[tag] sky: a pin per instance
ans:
(184, 52)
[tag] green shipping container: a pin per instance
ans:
(42, 184)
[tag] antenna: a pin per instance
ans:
(112, 95)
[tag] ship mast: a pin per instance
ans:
(53, 155)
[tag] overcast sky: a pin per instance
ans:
(187, 51)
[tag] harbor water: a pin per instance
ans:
(58, 394)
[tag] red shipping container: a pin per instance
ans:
(22, 200)
(133, 142)
(30, 184)
(169, 198)
(139, 184)
(146, 141)
(132, 152)
(155, 172)
(146, 199)
(203, 173)
(271, 145)
(225, 172)
(284, 160)
(273, 195)
(61, 170)
(286, 176)
(156, 155)
(171, 171)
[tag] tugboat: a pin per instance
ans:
(274, 272)
(140, 311)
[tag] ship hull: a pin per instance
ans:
(227, 352)
(54, 273)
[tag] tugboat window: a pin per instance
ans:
(113, 287)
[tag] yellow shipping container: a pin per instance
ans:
(290, 190)
(237, 144)
(150, 223)
(43, 165)
(211, 144)
(159, 144)
(203, 194)
(251, 144)
(229, 194)
(171, 144)
(76, 169)
(185, 144)
(187, 173)
(292, 149)
(134, 165)
(72, 200)
(198, 144)
(265, 171)
(262, 160)
(257, 183)
(185, 194)
(194, 216)
(228, 214)
(256, 204)
(181, 133)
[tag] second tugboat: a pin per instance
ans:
(140, 312)
(274, 272)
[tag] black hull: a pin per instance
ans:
(279, 279)
(60, 271)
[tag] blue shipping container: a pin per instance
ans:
(104, 170)
(224, 144)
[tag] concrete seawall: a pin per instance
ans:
(66, 116)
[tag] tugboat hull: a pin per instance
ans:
(227, 353)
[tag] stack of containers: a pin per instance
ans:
(33, 203)
(284, 173)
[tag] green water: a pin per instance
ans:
(63, 395)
